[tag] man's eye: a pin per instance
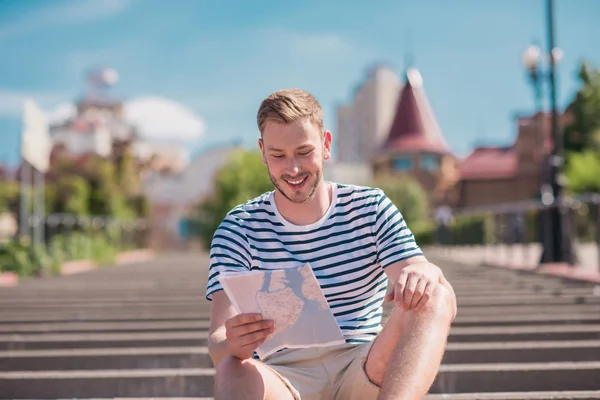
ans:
(278, 155)
(305, 153)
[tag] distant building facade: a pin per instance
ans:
(99, 128)
(415, 145)
(493, 175)
(363, 124)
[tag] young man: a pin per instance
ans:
(355, 240)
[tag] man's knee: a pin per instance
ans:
(233, 369)
(442, 303)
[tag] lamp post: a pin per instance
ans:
(555, 227)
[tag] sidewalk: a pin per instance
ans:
(524, 257)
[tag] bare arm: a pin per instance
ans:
(233, 334)
(221, 311)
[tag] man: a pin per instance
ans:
(355, 240)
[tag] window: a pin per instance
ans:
(402, 164)
(430, 162)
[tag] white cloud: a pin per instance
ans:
(163, 119)
(157, 119)
(11, 102)
(74, 11)
(61, 113)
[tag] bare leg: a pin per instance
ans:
(407, 353)
(248, 380)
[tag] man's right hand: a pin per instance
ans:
(245, 332)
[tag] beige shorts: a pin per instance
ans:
(327, 373)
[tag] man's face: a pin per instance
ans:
(294, 155)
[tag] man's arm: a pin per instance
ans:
(221, 311)
(233, 334)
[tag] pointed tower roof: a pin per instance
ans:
(414, 128)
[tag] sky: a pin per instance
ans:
(205, 66)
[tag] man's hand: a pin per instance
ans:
(245, 332)
(415, 285)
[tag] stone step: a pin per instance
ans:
(103, 327)
(106, 317)
(519, 319)
(26, 303)
(66, 293)
(514, 291)
(461, 334)
(463, 318)
(557, 395)
(464, 299)
(522, 352)
(462, 378)
(517, 377)
(107, 358)
(102, 340)
(153, 383)
(133, 313)
(64, 310)
(535, 299)
(531, 309)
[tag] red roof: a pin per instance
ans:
(415, 128)
(489, 163)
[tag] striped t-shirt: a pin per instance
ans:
(348, 248)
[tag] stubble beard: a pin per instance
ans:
(311, 192)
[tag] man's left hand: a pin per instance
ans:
(415, 285)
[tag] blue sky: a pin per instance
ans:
(220, 59)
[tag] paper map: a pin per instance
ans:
(292, 298)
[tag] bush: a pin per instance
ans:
(26, 260)
(242, 178)
(424, 233)
(408, 196)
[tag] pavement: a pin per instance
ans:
(140, 331)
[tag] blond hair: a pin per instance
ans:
(287, 106)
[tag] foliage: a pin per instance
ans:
(583, 172)
(407, 194)
(21, 257)
(584, 132)
(242, 178)
(424, 232)
(9, 196)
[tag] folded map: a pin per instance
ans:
(293, 299)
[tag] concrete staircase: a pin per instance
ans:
(140, 331)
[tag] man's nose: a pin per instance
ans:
(292, 167)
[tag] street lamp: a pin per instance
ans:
(555, 224)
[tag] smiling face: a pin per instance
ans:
(294, 155)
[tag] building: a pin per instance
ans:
(174, 196)
(502, 174)
(98, 128)
(363, 124)
(415, 146)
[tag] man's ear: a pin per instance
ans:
(327, 139)
(261, 145)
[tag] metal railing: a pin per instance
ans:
(512, 233)
(58, 238)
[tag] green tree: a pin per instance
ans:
(106, 198)
(584, 131)
(583, 172)
(73, 195)
(582, 135)
(127, 174)
(242, 177)
(9, 196)
(406, 194)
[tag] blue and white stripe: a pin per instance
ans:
(349, 248)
